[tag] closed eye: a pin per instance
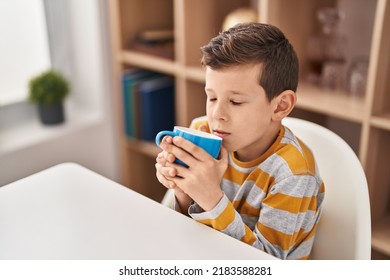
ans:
(235, 103)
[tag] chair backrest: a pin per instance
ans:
(344, 230)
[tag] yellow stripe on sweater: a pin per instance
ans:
(223, 220)
(261, 178)
(249, 237)
(291, 204)
(285, 241)
(298, 167)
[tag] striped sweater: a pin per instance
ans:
(273, 202)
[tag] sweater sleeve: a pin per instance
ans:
(283, 222)
(225, 218)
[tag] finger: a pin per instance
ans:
(160, 158)
(203, 128)
(167, 139)
(167, 147)
(189, 151)
(165, 157)
(174, 151)
(166, 142)
(181, 172)
(168, 171)
(176, 183)
(168, 183)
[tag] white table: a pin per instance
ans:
(70, 212)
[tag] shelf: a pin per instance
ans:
(143, 147)
(148, 61)
(381, 235)
(196, 74)
(329, 102)
(363, 122)
(382, 121)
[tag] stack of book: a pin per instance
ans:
(156, 42)
(148, 103)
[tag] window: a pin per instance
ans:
(78, 48)
(24, 49)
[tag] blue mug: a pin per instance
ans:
(207, 141)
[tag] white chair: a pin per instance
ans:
(344, 231)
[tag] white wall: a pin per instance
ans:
(91, 143)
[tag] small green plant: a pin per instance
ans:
(48, 88)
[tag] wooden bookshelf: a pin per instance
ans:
(195, 22)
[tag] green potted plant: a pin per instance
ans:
(48, 90)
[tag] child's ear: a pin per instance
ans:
(283, 104)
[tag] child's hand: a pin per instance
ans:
(201, 180)
(164, 169)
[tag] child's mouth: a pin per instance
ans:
(221, 133)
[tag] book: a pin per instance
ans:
(156, 35)
(161, 49)
(157, 106)
(159, 42)
(130, 80)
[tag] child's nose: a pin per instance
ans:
(220, 112)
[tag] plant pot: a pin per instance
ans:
(51, 114)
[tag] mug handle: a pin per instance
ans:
(161, 135)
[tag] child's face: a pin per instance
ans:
(239, 111)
